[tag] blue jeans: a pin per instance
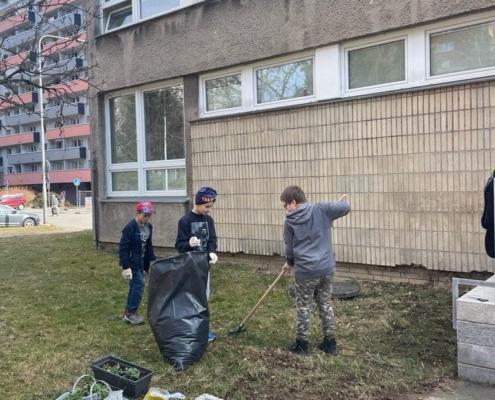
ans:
(136, 288)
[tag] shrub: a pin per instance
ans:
(38, 200)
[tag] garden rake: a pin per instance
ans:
(241, 327)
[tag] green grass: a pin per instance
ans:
(62, 301)
(32, 230)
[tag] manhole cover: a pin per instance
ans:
(344, 290)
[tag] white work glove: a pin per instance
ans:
(213, 258)
(127, 273)
(194, 242)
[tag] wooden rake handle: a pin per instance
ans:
(272, 286)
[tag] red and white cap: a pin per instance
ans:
(145, 207)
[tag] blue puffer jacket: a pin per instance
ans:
(130, 248)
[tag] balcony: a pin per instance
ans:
(65, 132)
(72, 153)
(65, 22)
(52, 5)
(64, 67)
(21, 58)
(48, 49)
(63, 44)
(24, 99)
(79, 86)
(10, 23)
(34, 178)
(68, 110)
(20, 138)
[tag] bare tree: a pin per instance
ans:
(44, 39)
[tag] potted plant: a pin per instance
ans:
(133, 379)
(91, 390)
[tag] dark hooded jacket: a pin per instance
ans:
(308, 238)
(130, 248)
(487, 219)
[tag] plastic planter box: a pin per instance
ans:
(131, 388)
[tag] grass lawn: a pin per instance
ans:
(61, 307)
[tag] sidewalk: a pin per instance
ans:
(75, 219)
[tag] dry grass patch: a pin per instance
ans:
(61, 308)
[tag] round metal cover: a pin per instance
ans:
(344, 290)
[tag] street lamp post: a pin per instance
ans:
(42, 130)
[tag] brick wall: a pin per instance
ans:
(413, 166)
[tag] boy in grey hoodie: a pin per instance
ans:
(308, 249)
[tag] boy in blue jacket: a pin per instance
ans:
(196, 231)
(135, 255)
(308, 250)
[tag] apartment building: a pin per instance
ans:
(64, 76)
(391, 102)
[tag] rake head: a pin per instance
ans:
(240, 329)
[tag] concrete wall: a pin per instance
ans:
(220, 33)
(114, 216)
(476, 335)
(414, 166)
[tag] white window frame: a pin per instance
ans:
(202, 92)
(367, 43)
(141, 165)
(460, 75)
(279, 62)
(136, 11)
(249, 87)
(107, 21)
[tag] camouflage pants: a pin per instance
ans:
(321, 289)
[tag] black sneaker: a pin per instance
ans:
(132, 318)
(299, 347)
(329, 346)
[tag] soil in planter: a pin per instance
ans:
(130, 373)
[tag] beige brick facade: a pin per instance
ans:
(413, 166)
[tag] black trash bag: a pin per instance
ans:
(177, 307)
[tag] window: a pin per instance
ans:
(146, 138)
(117, 19)
(282, 82)
(153, 7)
(462, 49)
(377, 65)
(223, 93)
(123, 141)
(76, 143)
(57, 165)
(75, 165)
(119, 13)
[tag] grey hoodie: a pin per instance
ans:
(308, 238)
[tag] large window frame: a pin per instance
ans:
(331, 68)
(369, 45)
(112, 6)
(450, 26)
(249, 86)
(141, 165)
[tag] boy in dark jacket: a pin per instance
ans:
(135, 255)
(308, 249)
(196, 230)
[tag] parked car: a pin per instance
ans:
(11, 217)
(17, 200)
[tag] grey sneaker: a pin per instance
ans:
(132, 318)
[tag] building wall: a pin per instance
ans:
(413, 166)
(220, 33)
